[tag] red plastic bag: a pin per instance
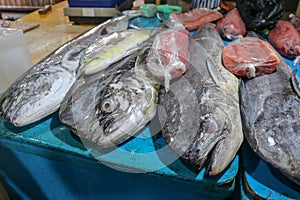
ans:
(195, 18)
(250, 57)
(286, 39)
(231, 25)
(169, 54)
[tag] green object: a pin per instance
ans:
(266, 31)
(168, 9)
(148, 10)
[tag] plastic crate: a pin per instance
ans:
(95, 3)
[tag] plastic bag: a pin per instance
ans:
(260, 14)
(295, 20)
(168, 56)
(195, 18)
(285, 38)
(249, 57)
(231, 25)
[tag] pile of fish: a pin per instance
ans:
(40, 90)
(107, 85)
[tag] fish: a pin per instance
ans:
(112, 105)
(228, 147)
(295, 80)
(109, 49)
(199, 114)
(40, 90)
(270, 114)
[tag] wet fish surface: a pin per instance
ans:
(110, 106)
(109, 49)
(40, 90)
(270, 113)
(227, 148)
(200, 112)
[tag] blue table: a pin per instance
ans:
(46, 161)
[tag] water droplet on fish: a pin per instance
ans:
(271, 141)
(171, 139)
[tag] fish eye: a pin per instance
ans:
(107, 105)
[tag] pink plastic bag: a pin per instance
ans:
(250, 57)
(168, 56)
(231, 25)
(286, 39)
(195, 18)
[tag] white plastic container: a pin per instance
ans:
(15, 57)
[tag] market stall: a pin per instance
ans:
(194, 144)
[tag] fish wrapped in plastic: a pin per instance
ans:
(231, 26)
(195, 18)
(285, 38)
(169, 55)
(250, 57)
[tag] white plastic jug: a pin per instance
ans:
(15, 57)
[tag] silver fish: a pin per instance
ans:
(201, 113)
(271, 112)
(40, 90)
(110, 106)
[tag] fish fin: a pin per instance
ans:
(296, 61)
(214, 72)
(70, 61)
(141, 59)
(295, 82)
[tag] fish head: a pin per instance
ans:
(37, 96)
(124, 107)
